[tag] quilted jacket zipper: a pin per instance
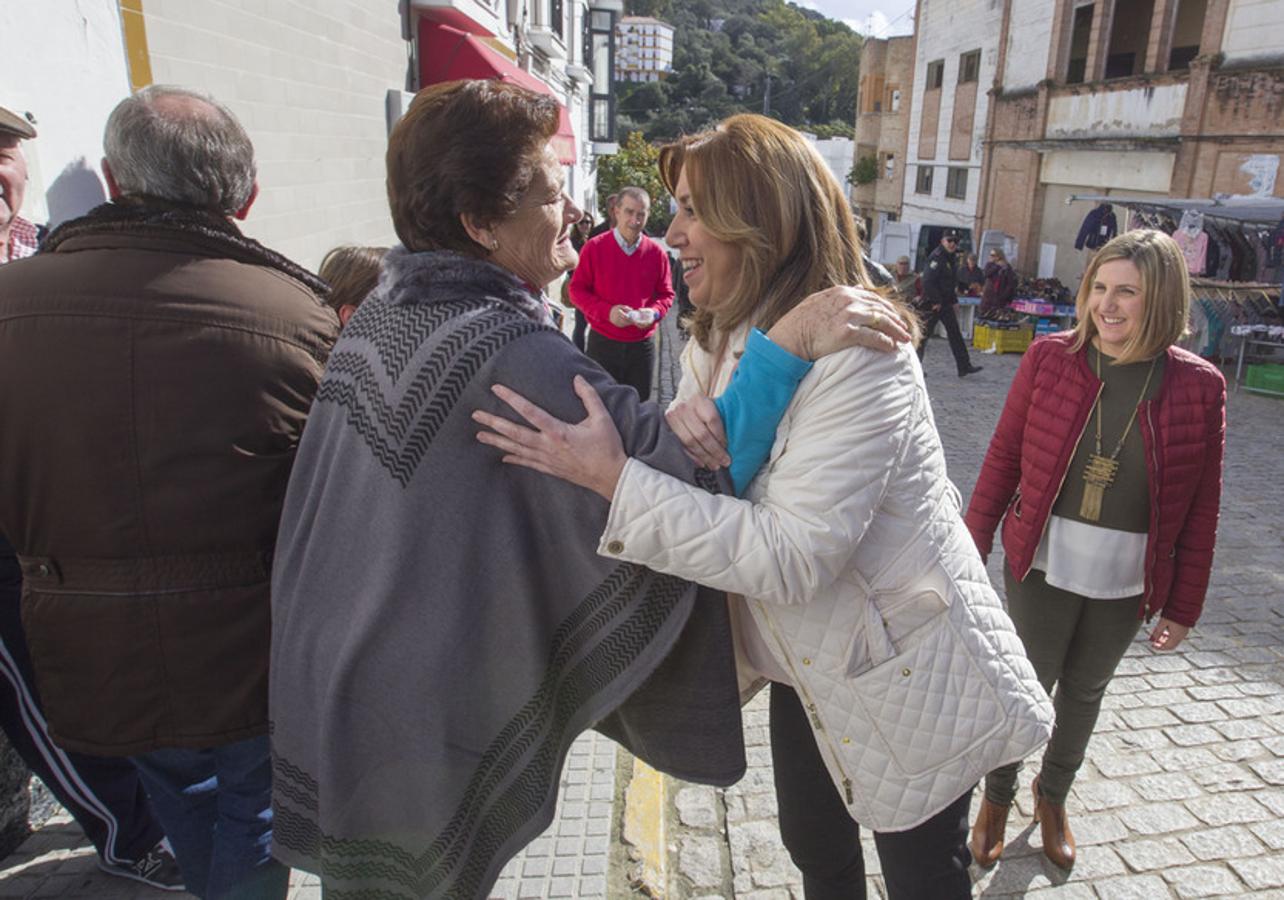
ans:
(824, 740)
(1060, 484)
(1154, 512)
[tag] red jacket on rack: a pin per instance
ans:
(1183, 429)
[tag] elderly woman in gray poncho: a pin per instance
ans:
(442, 625)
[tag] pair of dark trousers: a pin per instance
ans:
(946, 316)
(928, 862)
(216, 805)
(580, 332)
(103, 794)
(628, 362)
(1075, 643)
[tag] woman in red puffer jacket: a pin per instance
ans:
(1106, 467)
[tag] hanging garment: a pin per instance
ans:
(1098, 226)
(1194, 246)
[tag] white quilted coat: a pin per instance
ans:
(851, 553)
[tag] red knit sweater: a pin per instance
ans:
(607, 276)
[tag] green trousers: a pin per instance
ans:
(1075, 644)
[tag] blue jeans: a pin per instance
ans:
(216, 806)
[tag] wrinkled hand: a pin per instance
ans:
(620, 316)
(838, 318)
(698, 425)
(589, 454)
(1168, 635)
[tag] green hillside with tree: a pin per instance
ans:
(735, 56)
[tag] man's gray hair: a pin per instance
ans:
(191, 153)
(636, 193)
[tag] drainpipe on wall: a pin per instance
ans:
(134, 32)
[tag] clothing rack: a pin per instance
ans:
(1234, 239)
(1225, 317)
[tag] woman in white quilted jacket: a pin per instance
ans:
(856, 591)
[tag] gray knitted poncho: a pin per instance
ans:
(442, 625)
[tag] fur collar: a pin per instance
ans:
(156, 219)
(438, 276)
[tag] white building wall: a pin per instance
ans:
(64, 63)
(309, 82)
(839, 155)
(1029, 42)
(946, 31)
(1254, 29)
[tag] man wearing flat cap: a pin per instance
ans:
(939, 297)
(17, 235)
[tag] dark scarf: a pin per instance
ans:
(443, 626)
(152, 218)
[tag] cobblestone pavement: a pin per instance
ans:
(1182, 793)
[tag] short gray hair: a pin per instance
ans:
(191, 153)
(636, 193)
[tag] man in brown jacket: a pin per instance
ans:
(103, 794)
(157, 370)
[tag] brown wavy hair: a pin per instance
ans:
(352, 273)
(464, 147)
(762, 186)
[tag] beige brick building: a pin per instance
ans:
(882, 127)
(1137, 98)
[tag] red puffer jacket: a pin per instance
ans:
(1184, 430)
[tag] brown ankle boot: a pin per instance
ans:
(987, 834)
(1058, 840)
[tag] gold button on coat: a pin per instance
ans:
(615, 547)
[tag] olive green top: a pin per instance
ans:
(1126, 503)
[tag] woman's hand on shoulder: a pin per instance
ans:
(589, 453)
(839, 318)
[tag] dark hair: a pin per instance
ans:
(352, 273)
(464, 147)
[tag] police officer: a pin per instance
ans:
(939, 298)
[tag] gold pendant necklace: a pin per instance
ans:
(1100, 471)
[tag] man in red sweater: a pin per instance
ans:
(623, 286)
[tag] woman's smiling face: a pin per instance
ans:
(1116, 304)
(709, 264)
(535, 242)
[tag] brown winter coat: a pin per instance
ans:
(157, 368)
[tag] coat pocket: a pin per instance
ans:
(930, 703)
(893, 622)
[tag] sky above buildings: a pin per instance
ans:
(873, 18)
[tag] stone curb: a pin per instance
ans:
(645, 808)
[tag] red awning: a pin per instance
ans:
(446, 54)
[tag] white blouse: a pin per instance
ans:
(1102, 563)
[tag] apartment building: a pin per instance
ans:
(317, 85)
(956, 52)
(1132, 98)
(882, 128)
(644, 49)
